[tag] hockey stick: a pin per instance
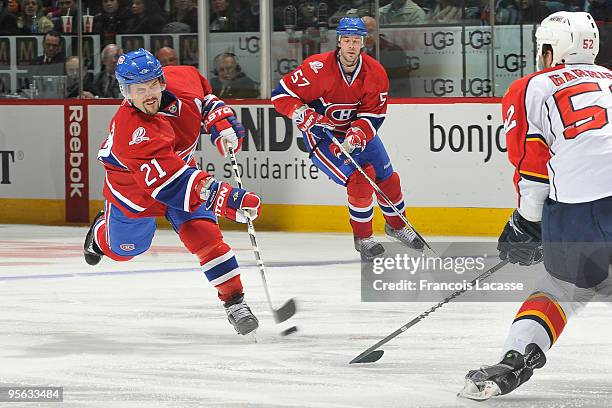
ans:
(378, 190)
(288, 309)
(372, 354)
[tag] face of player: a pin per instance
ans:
(146, 96)
(350, 48)
(545, 60)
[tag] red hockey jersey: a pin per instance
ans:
(149, 159)
(358, 100)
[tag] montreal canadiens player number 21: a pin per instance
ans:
(345, 92)
(150, 171)
(559, 138)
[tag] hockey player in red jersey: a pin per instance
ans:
(559, 138)
(150, 171)
(345, 91)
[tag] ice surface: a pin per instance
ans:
(151, 332)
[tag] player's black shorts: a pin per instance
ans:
(578, 241)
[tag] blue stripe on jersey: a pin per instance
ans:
(279, 90)
(125, 205)
(112, 160)
(219, 270)
(175, 193)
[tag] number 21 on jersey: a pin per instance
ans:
(147, 169)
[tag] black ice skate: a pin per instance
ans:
(240, 316)
(405, 236)
(368, 248)
(92, 252)
(514, 370)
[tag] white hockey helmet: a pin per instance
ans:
(573, 36)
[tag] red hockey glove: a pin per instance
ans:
(230, 202)
(354, 142)
(309, 121)
(225, 129)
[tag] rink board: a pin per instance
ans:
(451, 158)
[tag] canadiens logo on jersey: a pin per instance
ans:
(316, 66)
(138, 136)
(342, 114)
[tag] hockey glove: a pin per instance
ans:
(354, 143)
(229, 202)
(309, 121)
(225, 129)
(521, 241)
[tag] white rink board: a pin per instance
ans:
(433, 175)
(35, 136)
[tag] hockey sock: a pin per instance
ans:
(540, 320)
(393, 190)
(361, 203)
(101, 239)
(203, 238)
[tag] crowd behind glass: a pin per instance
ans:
(54, 20)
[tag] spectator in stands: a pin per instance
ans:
(67, 7)
(506, 12)
(222, 16)
(186, 12)
(249, 16)
(167, 56)
(52, 60)
(8, 21)
(445, 12)
(109, 21)
(105, 84)
(229, 80)
(72, 67)
(402, 12)
(601, 10)
(32, 20)
(392, 57)
(50, 63)
(146, 17)
(532, 11)
(352, 8)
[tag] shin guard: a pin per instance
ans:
(361, 203)
(393, 190)
(203, 238)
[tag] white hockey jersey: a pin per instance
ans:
(559, 136)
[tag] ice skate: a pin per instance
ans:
(368, 248)
(91, 251)
(514, 370)
(405, 236)
(240, 316)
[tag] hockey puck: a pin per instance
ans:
(288, 331)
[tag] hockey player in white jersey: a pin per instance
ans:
(559, 138)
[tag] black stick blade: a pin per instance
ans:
(285, 312)
(368, 357)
